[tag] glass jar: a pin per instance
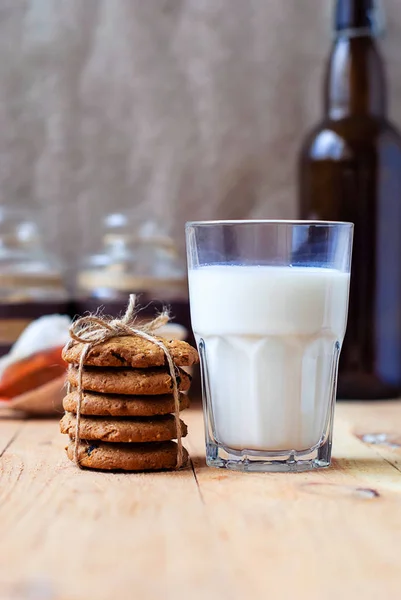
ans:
(135, 257)
(30, 279)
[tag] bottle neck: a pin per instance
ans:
(357, 15)
(355, 79)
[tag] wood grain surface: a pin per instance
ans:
(203, 533)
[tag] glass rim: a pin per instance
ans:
(269, 221)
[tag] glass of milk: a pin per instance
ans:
(269, 303)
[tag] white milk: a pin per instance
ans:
(270, 336)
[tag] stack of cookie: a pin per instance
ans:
(126, 421)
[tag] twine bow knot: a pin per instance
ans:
(92, 330)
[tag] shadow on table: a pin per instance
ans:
(376, 466)
(198, 461)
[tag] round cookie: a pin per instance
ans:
(157, 429)
(127, 457)
(128, 381)
(134, 352)
(123, 406)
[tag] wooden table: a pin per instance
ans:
(203, 533)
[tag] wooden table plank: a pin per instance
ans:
(72, 535)
(314, 534)
(9, 429)
(379, 425)
(85, 534)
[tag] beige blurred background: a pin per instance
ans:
(187, 109)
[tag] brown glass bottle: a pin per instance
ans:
(350, 170)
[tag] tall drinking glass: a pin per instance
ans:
(269, 303)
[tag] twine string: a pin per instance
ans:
(92, 330)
